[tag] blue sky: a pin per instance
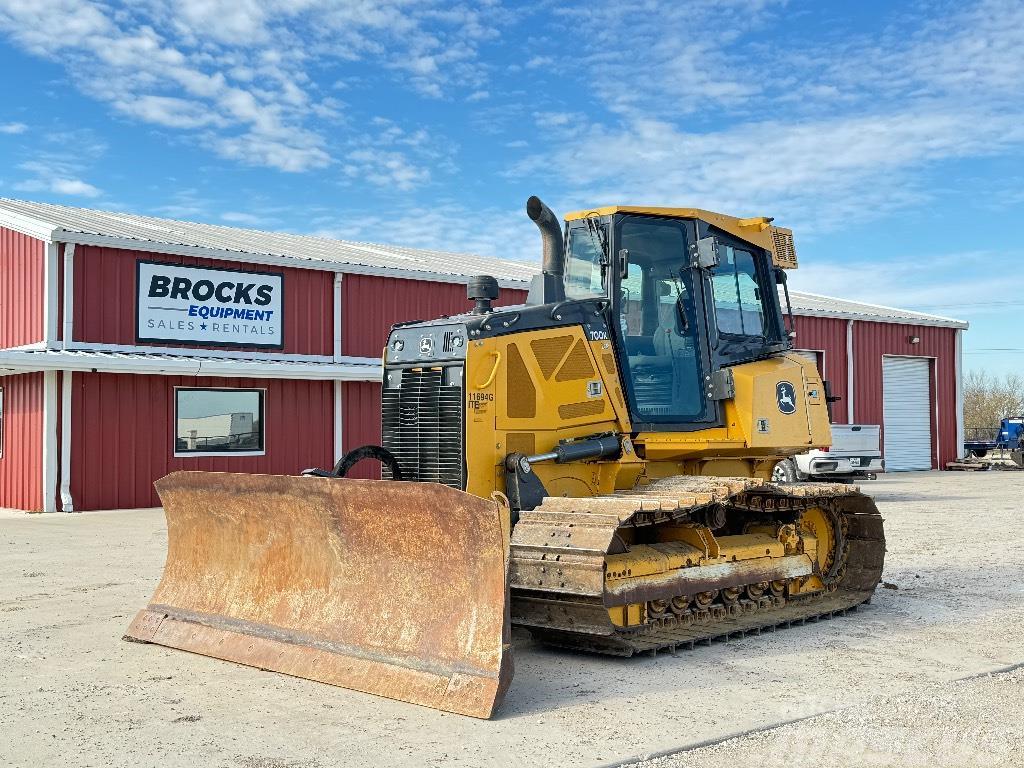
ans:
(888, 135)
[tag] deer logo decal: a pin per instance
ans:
(785, 396)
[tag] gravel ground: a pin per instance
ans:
(882, 681)
(972, 722)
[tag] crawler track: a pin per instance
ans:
(559, 551)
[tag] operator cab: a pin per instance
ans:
(686, 298)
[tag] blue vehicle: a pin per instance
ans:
(1010, 437)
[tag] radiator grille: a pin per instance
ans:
(421, 424)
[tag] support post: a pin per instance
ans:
(339, 422)
(50, 452)
(66, 502)
(67, 331)
(51, 293)
(337, 316)
(849, 373)
(959, 393)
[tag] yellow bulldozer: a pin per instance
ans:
(594, 466)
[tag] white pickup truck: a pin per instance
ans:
(855, 454)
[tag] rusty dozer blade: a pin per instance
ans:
(393, 588)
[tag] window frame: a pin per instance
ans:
(262, 451)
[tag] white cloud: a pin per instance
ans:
(245, 219)
(13, 128)
(236, 73)
(867, 121)
(58, 165)
(916, 281)
(446, 226)
(59, 186)
(74, 187)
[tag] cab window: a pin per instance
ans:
(584, 276)
(739, 308)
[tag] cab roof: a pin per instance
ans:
(758, 230)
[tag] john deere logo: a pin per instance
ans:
(426, 345)
(785, 396)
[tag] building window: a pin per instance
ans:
(218, 422)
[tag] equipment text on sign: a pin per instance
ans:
(205, 305)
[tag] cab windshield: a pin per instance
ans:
(658, 321)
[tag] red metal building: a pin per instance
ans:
(109, 379)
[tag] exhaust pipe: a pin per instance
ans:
(547, 287)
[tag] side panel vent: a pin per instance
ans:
(549, 352)
(785, 250)
(521, 442)
(579, 410)
(521, 395)
(577, 365)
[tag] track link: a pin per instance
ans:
(558, 562)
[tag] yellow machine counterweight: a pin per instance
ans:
(593, 466)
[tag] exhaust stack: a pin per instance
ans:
(547, 287)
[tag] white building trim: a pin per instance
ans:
(137, 349)
(339, 421)
(67, 335)
(959, 363)
(50, 451)
(337, 315)
(849, 372)
(51, 290)
(24, 361)
(66, 502)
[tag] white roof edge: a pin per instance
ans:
(295, 262)
(866, 318)
(27, 225)
(908, 312)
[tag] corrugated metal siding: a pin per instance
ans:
(123, 433)
(822, 333)
(361, 419)
(371, 305)
(105, 299)
(21, 288)
(21, 466)
(873, 340)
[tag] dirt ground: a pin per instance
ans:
(923, 676)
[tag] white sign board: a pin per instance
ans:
(203, 305)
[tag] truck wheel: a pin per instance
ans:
(979, 453)
(784, 472)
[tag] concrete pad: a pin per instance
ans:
(72, 693)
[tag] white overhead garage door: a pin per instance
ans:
(906, 413)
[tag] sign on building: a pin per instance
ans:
(205, 305)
